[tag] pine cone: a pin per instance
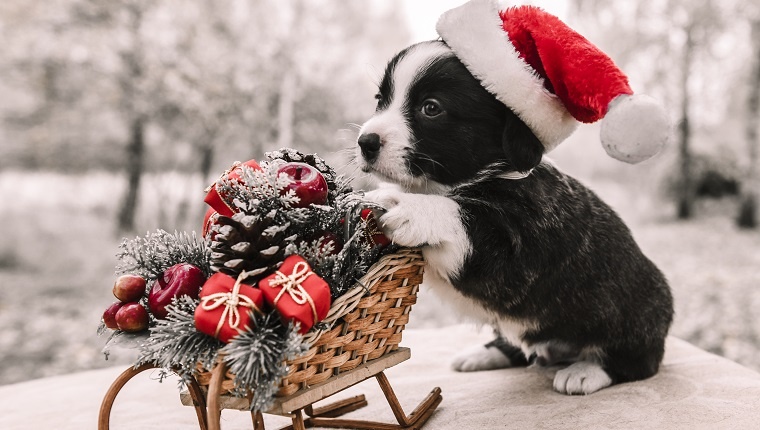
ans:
(252, 243)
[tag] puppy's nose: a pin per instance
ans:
(370, 145)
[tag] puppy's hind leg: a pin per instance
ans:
(634, 362)
(622, 363)
(497, 354)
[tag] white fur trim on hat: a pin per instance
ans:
(635, 128)
(474, 32)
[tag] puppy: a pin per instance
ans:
(508, 238)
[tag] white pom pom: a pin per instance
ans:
(635, 128)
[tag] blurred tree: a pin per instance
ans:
(270, 73)
(748, 207)
(204, 98)
(289, 80)
(50, 99)
(130, 79)
(670, 46)
(140, 86)
(686, 190)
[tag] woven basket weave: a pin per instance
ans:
(365, 323)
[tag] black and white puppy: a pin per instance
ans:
(509, 239)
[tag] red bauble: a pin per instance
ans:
(327, 238)
(307, 182)
(129, 288)
(178, 280)
(132, 317)
(109, 316)
(372, 232)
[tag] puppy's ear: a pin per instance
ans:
(521, 146)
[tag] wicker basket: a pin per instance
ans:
(366, 323)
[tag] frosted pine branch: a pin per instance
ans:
(151, 255)
(175, 344)
(257, 358)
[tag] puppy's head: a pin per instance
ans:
(436, 123)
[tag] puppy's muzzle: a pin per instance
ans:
(370, 146)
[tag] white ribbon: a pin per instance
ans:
(291, 284)
(230, 301)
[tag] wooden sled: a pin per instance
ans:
(299, 406)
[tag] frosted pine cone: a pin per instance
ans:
(255, 244)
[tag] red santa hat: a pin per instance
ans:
(552, 77)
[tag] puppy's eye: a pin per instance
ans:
(431, 108)
(378, 97)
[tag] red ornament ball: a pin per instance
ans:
(326, 238)
(307, 182)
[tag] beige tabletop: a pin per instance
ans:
(694, 390)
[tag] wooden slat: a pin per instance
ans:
(286, 405)
(336, 409)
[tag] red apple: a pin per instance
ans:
(109, 316)
(132, 317)
(129, 288)
(307, 182)
(178, 280)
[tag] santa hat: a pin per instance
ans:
(552, 77)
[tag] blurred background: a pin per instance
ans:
(115, 115)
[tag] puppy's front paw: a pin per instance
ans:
(583, 377)
(386, 196)
(480, 358)
(399, 220)
(404, 225)
(416, 219)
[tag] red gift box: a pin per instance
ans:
(297, 293)
(225, 305)
(372, 232)
(216, 199)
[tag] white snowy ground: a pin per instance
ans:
(694, 390)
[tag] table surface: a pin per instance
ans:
(694, 390)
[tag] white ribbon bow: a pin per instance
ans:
(230, 301)
(291, 284)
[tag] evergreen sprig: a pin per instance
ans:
(342, 269)
(175, 344)
(257, 358)
(151, 255)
